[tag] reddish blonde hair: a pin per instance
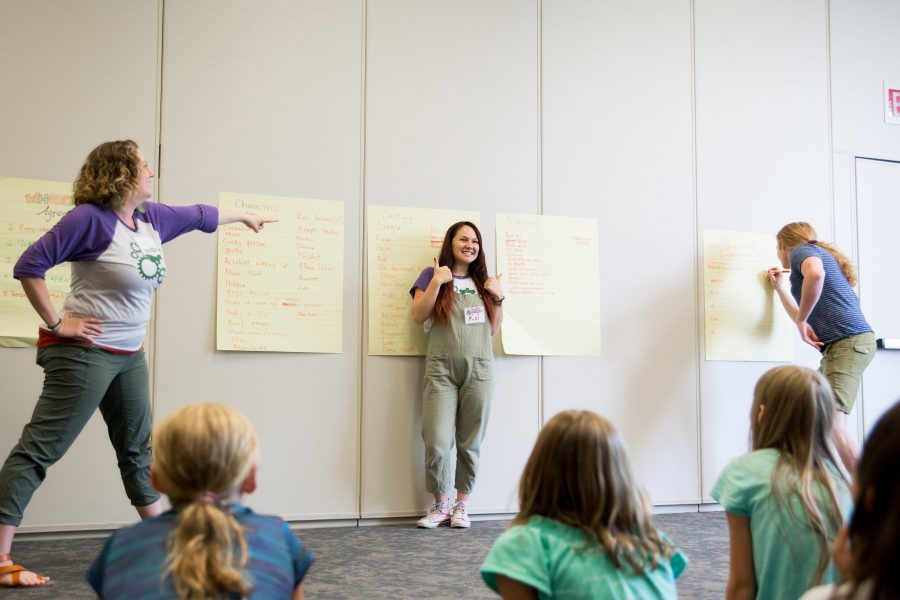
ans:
(798, 233)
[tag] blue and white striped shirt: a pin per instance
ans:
(837, 314)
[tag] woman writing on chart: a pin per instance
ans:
(461, 308)
(92, 354)
(826, 310)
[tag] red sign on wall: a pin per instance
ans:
(892, 103)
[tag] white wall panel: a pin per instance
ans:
(864, 48)
(265, 100)
(451, 114)
(617, 145)
(763, 160)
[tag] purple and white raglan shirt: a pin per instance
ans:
(115, 269)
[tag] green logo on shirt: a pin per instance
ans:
(149, 266)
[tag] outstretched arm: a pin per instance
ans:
(252, 221)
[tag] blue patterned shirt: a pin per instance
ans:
(837, 314)
(133, 560)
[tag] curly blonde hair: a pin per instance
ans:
(798, 233)
(205, 451)
(109, 175)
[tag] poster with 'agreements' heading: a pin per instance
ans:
(28, 209)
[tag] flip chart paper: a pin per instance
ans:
(28, 209)
(744, 319)
(402, 242)
(543, 260)
(281, 290)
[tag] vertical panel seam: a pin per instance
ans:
(363, 221)
(540, 170)
(830, 124)
(698, 296)
(160, 41)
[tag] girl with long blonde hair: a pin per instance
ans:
(787, 498)
(209, 545)
(826, 310)
(583, 529)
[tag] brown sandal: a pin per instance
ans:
(15, 572)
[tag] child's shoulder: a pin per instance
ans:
(745, 480)
(542, 534)
(246, 514)
(757, 460)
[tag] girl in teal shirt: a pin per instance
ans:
(583, 530)
(787, 498)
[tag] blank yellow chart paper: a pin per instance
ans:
(401, 242)
(543, 259)
(281, 290)
(744, 319)
(28, 209)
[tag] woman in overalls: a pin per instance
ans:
(461, 308)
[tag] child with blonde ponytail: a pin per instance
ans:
(208, 546)
(787, 498)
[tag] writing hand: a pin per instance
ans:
(79, 327)
(774, 275)
(442, 274)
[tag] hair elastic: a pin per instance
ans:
(815, 242)
(207, 497)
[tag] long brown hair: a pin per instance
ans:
(109, 175)
(443, 305)
(203, 452)
(579, 474)
(796, 234)
(797, 421)
(875, 526)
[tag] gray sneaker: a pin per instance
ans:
(438, 514)
(459, 517)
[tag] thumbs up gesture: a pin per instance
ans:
(442, 274)
(492, 286)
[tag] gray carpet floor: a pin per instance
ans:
(395, 561)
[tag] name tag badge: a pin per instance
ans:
(474, 315)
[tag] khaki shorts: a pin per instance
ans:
(843, 363)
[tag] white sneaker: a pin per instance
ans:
(438, 513)
(459, 516)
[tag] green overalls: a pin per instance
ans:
(459, 380)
